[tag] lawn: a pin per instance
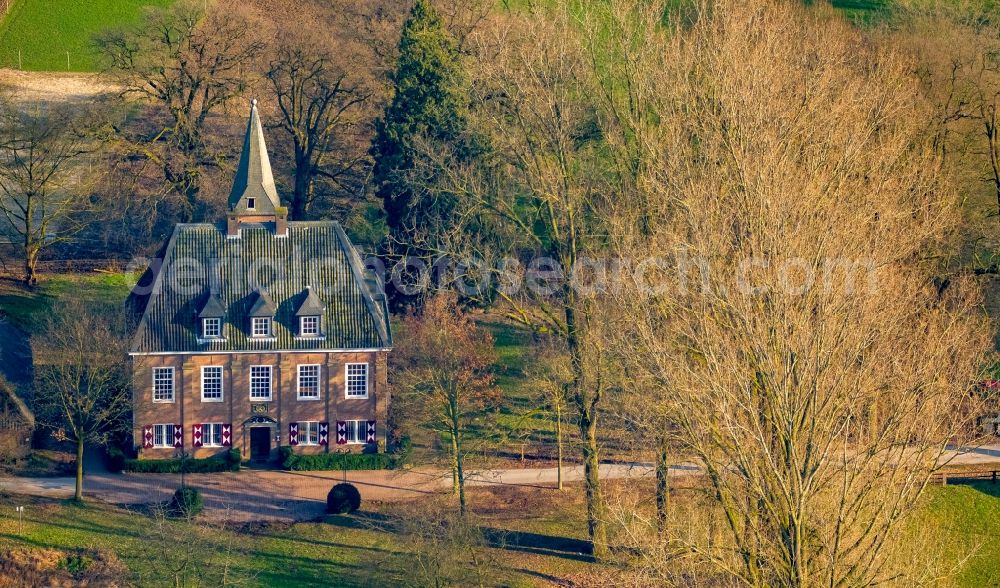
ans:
(377, 547)
(532, 538)
(44, 31)
(965, 519)
(23, 307)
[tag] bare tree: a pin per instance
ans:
(319, 99)
(543, 189)
(81, 377)
(444, 379)
(816, 373)
(43, 177)
(190, 64)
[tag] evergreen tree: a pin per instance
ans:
(429, 103)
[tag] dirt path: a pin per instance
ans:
(262, 495)
(254, 495)
(53, 87)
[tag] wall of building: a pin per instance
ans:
(237, 408)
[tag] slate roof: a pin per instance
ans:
(315, 259)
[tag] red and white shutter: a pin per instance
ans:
(341, 432)
(293, 433)
(324, 433)
(178, 436)
(196, 438)
(147, 436)
(370, 432)
(227, 435)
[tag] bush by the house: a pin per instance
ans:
(187, 502)
(336, 461)
(228, 462)
(343, 498)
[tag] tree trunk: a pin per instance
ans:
(78, 495)
(559, 448)
(662, 487)
(303, 180)
(595, 501)
(30, 274)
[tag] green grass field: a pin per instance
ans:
(367, 549)
(43, 31)
(533, 538)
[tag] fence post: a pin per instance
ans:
(993, 478)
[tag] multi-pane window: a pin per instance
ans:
(260, 382)
(308, 382)
(211, 327)
(308, 433)
(261, 326)
(357, 380)
(356, 431)
(211, 434)
(211, 383)
(309, 326)
(163, 435)
(163, 384)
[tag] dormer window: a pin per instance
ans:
(261, 326)
(309, 326)
(310, 314)
(251, 203)
(211, 328)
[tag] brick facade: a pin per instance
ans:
(236, 408)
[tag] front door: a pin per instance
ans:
(260, 443)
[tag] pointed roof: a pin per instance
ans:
(253, 176)
(311, 306)
(212, 307)
(262, 306)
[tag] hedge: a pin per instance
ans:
(336, 461)
(230, 462)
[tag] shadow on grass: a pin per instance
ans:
(521, 541)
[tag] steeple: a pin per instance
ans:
(254, 198)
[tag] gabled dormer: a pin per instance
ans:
(210, 318)
(254, 197)
(309, 316)
(261, 317)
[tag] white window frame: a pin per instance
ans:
(350, 379)
(222, 378)
(315, 329)
(360, 432)
(304, 429)
(251, 203)
(270, 383)
(168, 439)
(264, 321)
(216, 322)
(157, 381)
(298, 380)
(207, 438)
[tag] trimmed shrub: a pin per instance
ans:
(228, 462)
(336, 461)
(343, 498)
(187, 502)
